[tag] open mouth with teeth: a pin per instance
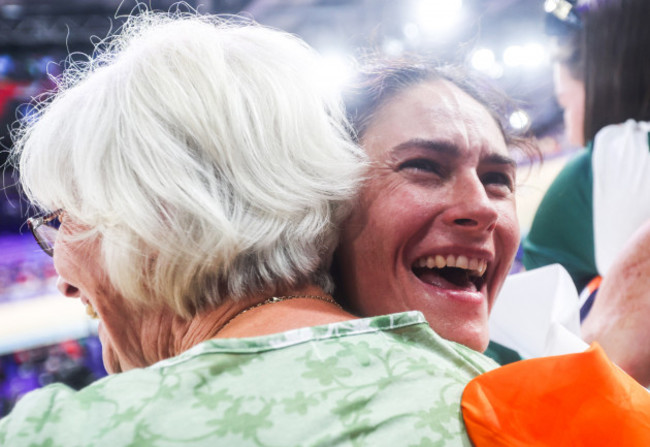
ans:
(458, 272)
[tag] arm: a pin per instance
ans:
(618, 320)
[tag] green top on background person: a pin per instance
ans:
(602, 80)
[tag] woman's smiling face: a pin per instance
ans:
(436, 227)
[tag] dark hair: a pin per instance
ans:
(567, 50)
(617, 63)
(380, 79)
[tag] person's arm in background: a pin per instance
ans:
(618, 320)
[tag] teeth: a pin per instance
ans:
(463, 262)
(90, 311)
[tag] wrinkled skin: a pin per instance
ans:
(130, 338)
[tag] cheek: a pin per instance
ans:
(573, 120)
(366, 255)
(360, 241)
(508, 232)
(388, 223)
(368, 220)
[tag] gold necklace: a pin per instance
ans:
(277, 299)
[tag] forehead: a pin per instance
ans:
(435, 111)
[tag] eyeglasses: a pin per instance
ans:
(45, 229)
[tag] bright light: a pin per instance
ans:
(549, 5)
(393, 47)
(530, 55)
(334, 72)
(411, 31)
(483, 59)
(519, 120)
(535, 55)
(438, 16)
(558, 7)
(514, 56)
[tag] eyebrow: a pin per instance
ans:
(450, 149)
(500, 160)
(439, 146)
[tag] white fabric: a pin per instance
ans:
(621, 187)
(560, 340)
(537, 313)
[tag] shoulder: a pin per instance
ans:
(622, 146)
(578, 165)
(628, 128)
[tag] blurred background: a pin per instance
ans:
(46, 338)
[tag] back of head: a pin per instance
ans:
(203, 152)
(617, 67)
(563, 24)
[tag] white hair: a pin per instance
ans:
(204, 153)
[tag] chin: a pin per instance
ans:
(109, 357)
(476, 345)
(479, 345)
(476, 338)
(111, 364)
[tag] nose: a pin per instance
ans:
(471, 207)
(66, 288)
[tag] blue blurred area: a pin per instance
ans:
(75, 363)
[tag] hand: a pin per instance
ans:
(620, 316)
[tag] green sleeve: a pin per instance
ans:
(562, 230)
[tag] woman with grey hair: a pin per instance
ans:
(199, 175)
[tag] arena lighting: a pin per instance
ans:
(535, 55)
(334, 71)
(411, 31)
(438, 16)
(519, 120)
(530, 55)
(513, 55)
(393, 47)
(483, 60)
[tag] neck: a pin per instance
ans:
(153, 335)
(260, 315)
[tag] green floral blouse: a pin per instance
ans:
(383, 381)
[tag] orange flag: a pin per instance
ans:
(569, 400)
